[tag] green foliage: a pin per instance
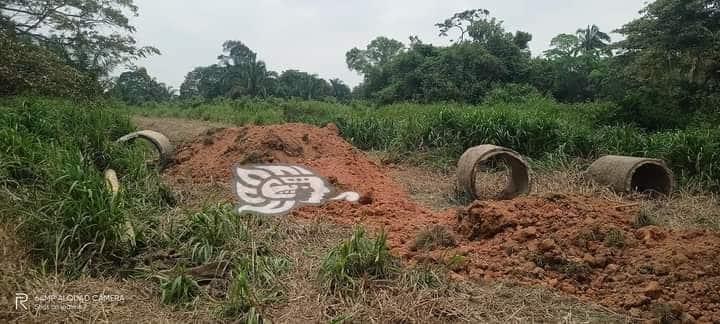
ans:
(534, 126)
(53, 155)
(379, 52)
(178, 289)
(93, 36)
(241, 74)
(358, 257)
(31, 69)
(465, 71)
(254, 284)
(210, 229)
(137, 87)
(241, 300)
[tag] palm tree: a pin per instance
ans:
(593, 41)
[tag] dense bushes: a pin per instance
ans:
(534, 126)
(52, 157)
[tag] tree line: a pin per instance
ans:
(239, 73)
(664, 73)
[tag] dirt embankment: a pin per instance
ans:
(584, 246)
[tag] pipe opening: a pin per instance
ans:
(651, 177)
(499, 176)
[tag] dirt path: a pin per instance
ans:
(177, 129)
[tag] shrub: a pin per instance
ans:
(357, 257)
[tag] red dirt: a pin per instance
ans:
(583, 246)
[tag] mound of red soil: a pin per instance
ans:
(583, 246)
(383, 202)
(589, 248)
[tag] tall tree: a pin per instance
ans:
(94, 36)
(137, 87)
(340, 90)
(563, 46)
(592, 41)
(298, 84)
(246, 75)
(380, 51)
(461, 21)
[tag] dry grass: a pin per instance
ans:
(178, 130)
(409, 297)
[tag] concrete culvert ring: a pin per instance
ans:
(505, 165)
(159, 141)
(632, 174)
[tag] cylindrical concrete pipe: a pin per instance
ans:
(627, 174)
(519, 182)
(160, 141)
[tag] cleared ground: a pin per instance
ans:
(405, 299)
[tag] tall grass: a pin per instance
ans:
(536, 127)
(53, 154)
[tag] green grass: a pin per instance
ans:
(358, 257)
(178, 289)
(52, 157)
(538, 128)
(210, 229)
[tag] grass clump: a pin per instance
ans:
(421, 277)
(241, 300)
(209, 230)
(644, 218)
(433, 237)
(255, 283)
(357, 257)
(178, 289)
(614, 238)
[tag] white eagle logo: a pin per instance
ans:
(275, 189)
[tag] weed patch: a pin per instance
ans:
(355, 258)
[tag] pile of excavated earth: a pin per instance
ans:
(583, 246)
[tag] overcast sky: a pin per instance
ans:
(313, 36)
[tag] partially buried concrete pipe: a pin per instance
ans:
(519, 182)
(160, 141)
(112, 182)
(627, 174)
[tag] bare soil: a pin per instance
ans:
(581, 245)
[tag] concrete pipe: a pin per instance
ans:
(627, 174)
(160, 141)
(468, 168)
